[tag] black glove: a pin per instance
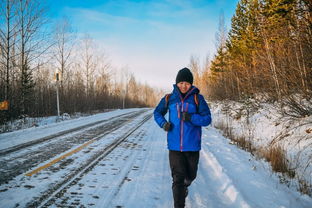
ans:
(186, 116)
(167, 126)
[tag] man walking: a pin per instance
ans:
(188, 112)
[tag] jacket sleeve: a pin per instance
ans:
(160, 111)
(203, 117)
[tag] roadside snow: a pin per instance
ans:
(265, 127)
(239, 180)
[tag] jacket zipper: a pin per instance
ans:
(181, 133)
(178, 110)
(181, 122)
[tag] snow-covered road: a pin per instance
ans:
(136, 172)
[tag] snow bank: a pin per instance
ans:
(264, 126)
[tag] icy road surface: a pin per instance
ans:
(121, 160)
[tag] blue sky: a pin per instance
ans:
(153, 39)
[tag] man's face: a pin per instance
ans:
(184, 87)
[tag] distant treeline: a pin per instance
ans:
(32, 48)
(267, 55)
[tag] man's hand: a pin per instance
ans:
(186, 116)
(167, 126)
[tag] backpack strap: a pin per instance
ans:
(167, 99)
(196, 101)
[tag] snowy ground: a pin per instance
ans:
(264, 126)
(134, 173)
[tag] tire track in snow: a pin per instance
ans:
(19, 162)
(49, 197)
(218, 186)
(53, 136)
(151, 181)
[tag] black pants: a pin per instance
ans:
(183, 170)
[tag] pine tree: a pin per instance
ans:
(27, 88)
(218, 63)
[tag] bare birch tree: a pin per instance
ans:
(65, 40)
(31, 45)
(7, 41)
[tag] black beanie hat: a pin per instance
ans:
(184, 75)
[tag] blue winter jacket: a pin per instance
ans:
(183, 135)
